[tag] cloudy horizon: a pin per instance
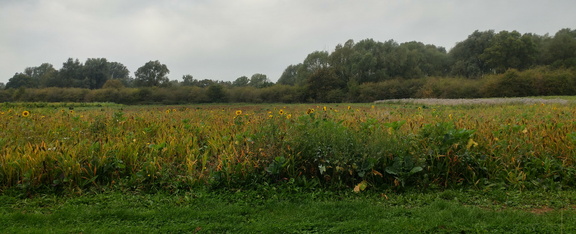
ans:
(224, 39)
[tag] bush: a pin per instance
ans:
(449, 88)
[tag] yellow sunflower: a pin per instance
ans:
(281, 112)
(25, 113)
(238, 112)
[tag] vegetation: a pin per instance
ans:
(277, 168)
(486, 64)
(349, 147)
(398, 167)
(271, 209)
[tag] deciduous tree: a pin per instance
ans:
(153, 73)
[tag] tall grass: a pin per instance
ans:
(357, 147)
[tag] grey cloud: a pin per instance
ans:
(225, 39)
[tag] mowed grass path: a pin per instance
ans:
(284, 212)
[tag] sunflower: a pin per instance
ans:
(168, 111)
(281, 112)
(25, 113)
(310, 111)
(238, 112)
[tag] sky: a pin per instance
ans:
(227, 39)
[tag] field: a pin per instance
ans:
(254, 164)
(70, 148)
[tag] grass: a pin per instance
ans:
(285, 212)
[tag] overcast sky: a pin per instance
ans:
(226, 39)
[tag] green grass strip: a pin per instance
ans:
(281, 212)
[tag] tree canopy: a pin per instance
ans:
(353, 71)
(153, 73)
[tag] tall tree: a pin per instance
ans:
(97, 72)
(424, 60)
(43, 75)
(323, 85)
(561, 49)
(70, 75)
(466, 55)
(291, 75)
(313, 62)
(241, 81)
(188, 80)
(341, 60)
(153, 73)
(259, 81)
(117, 71)
(20, 80)
(509, 50)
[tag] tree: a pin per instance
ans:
(216, 93)
(561, 49)
(342, 60)
(315, 61)
(324, 86)
(259, 81)
(188, 80)
(204, 83)
(70, 75)
(153, 73)
(117, 71)
(2, 86)
(97, 72)
(424, 60)
(43, 75)
(466, 55)
(20, 80)
(291, 76)
(241, 81)
(509, 50)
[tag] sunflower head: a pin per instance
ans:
(25, 113)
(281, 112)
(238, 112)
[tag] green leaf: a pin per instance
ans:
(416, 170)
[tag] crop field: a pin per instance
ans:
(73, 148)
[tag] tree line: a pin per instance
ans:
(354, 71)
